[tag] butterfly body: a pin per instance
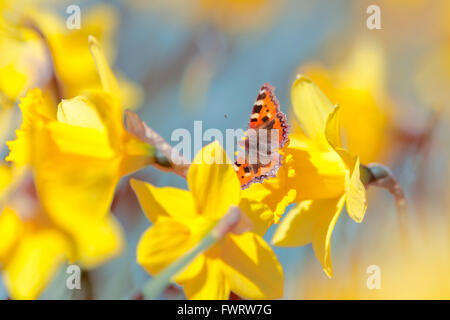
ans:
(267, 133)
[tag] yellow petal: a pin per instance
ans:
(80, 112)
(318, 174)
(259, 213)
(109, 81)
(311, 221)
(192, 270)
(164, 202)
(12, 81)
(137, 155)
(5, 177)
(34, 263)
(356, 193)
(311, 108)
(34, 111)
(327, 212)
(333, 135)
(80, 141)
(162, 244)
(210, 284)
(251, 267)
(97, 241)
(354, 188)
(73, 188)
(333, 129)
(276, 193)
(213, 182)
(11, 230)
(307, 173)
(296, 229)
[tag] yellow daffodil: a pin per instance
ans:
(358, 85)
(49, 44)
(70, 51)
(242, 263)
(23, 59)
(77, 154)
(22, 65)
(315, 159)
(31, 247)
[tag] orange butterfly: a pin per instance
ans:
(267, 133)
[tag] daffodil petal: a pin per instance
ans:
(311, 108)
(327, 212)
(356, 193)
(275, 193)
(333, 129)
(210, 284)
(34, 111)
(79, 111)
(34, 263)
(319, 174)
(162, 244)
(109, 81)
(213, 182)
(97, 241)
(252, 268)
(296, 229)
(75, 188)
(80, 141)
(354, 188)
(164, 202)
(137, 155)
(11, 230)
(5, 177)
(259, 213)
(12, 81)
(192, 270)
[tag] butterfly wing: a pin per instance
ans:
(265, 114)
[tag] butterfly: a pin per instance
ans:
(267, 133)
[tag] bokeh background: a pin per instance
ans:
(182, 61)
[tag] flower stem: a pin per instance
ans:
(381, 176)
(166, 157)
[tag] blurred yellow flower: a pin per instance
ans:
(39, 41)
(22, 65)
(70, 52)
(358, 85)
(313, 220)
(77, 154)
(31, 247)
(244, 263)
